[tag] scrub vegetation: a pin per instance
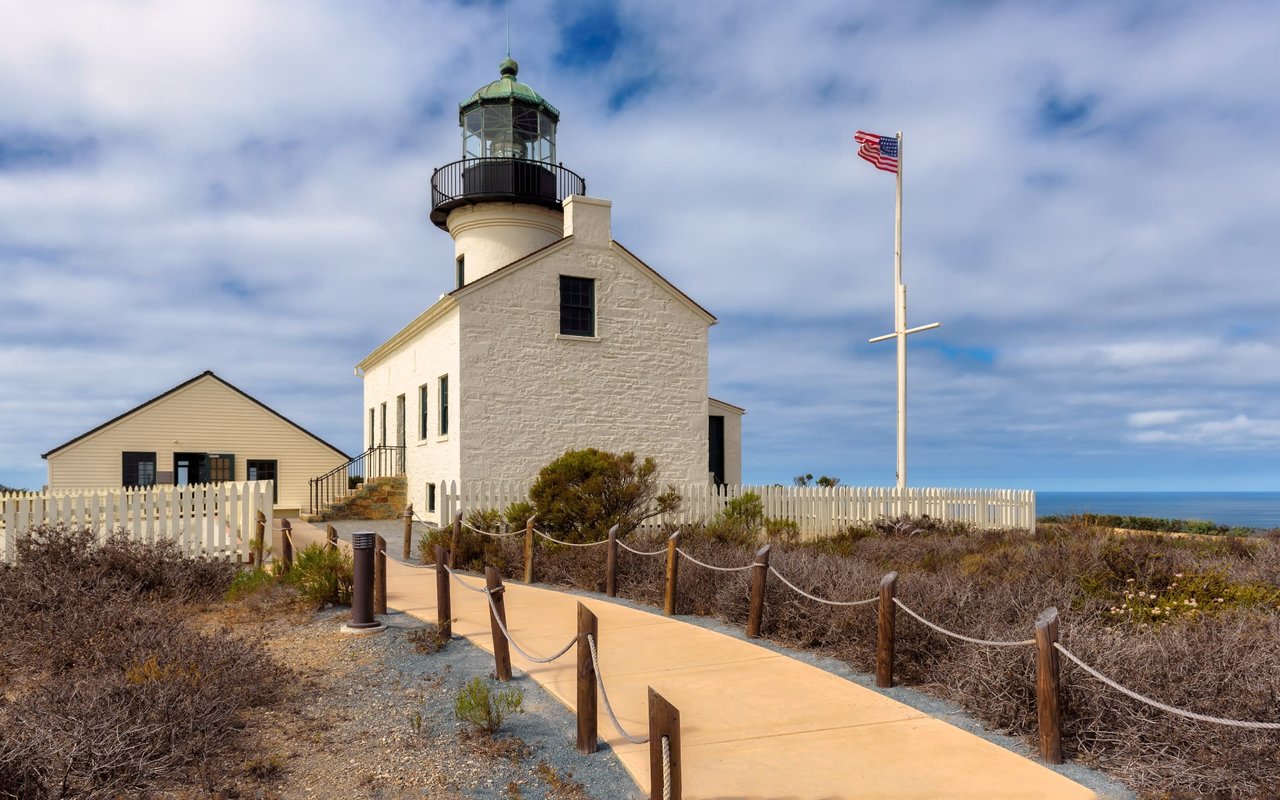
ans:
(105, 691)
(1191, 621)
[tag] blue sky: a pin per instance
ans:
(1091, 199)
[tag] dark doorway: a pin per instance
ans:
(715, 438)
(190, 468)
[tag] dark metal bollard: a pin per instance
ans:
(362, 544)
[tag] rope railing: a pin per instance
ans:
(497, 617)
(604, 695)
(712, 566)
(657, 552)
(570, 544)
(666, 768)
(815, 598)
(1235, 723)
(961, 636)
(474, 529)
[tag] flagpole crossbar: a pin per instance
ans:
(889, 336)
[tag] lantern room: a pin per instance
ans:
(508, 151)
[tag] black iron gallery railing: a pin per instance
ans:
(380, 461)
(475, 180)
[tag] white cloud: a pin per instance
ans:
(250, 189)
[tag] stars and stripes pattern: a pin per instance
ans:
(882, 151)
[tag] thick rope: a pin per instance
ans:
(464, 584)
(800, 591)
(962, 637)
(1235, 723)
(666, 768)
(571, 544)
(713, 566)
(502, 626)
(604, 695)
(623, 545)
(535, 659)
(471, 527)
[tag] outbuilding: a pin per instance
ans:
(202, 431)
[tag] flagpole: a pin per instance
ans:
(900, 326)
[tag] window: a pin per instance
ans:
(371, 433)
(443, 404)
(461, 270)
(423, 392)
(431, 497)
(577, 306)
(263, 469)
(222, 468)
(383, 439)
(137, 469)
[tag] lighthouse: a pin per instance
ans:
(555, 337)
(505, 197)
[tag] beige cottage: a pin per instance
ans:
(555, 337)
(202, 431)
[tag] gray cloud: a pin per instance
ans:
(1091, 196)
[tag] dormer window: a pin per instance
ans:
(577, 306)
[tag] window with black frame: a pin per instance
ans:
(138, 469)
(264, 469)
(577, 306)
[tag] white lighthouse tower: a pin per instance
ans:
(503, 199)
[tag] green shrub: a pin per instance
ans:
(474, 550)
(485, 519)
(782, 531)
(249, 581)
(517, 515)
(739, 522)
(583, 493)
(484, 709)
(322, 575)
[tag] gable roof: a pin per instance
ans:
(727, 406)
(178, 388)
(632, 258)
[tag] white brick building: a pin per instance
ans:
(556, 337)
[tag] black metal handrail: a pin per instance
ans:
(475, 180)
(379, 461)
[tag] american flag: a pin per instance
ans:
(882, 151)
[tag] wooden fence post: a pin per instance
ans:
(759, 572)
(587, 626)
(286, 545)
(528, 551)
(408, 532)
(884, 631)
(1047, 710)
(260, 543)
(673, 569)
(444, 609)
(501, 650)
(453, 541)
(380, 576)
(611, 564)
(664, 723)
(331, 536)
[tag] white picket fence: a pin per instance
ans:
(217, 519)
(817, 510)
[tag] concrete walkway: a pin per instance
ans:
(754, 723)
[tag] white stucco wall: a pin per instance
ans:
(421, 360)
(529, 393)
(492, 235)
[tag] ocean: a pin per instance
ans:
(1235, 509)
